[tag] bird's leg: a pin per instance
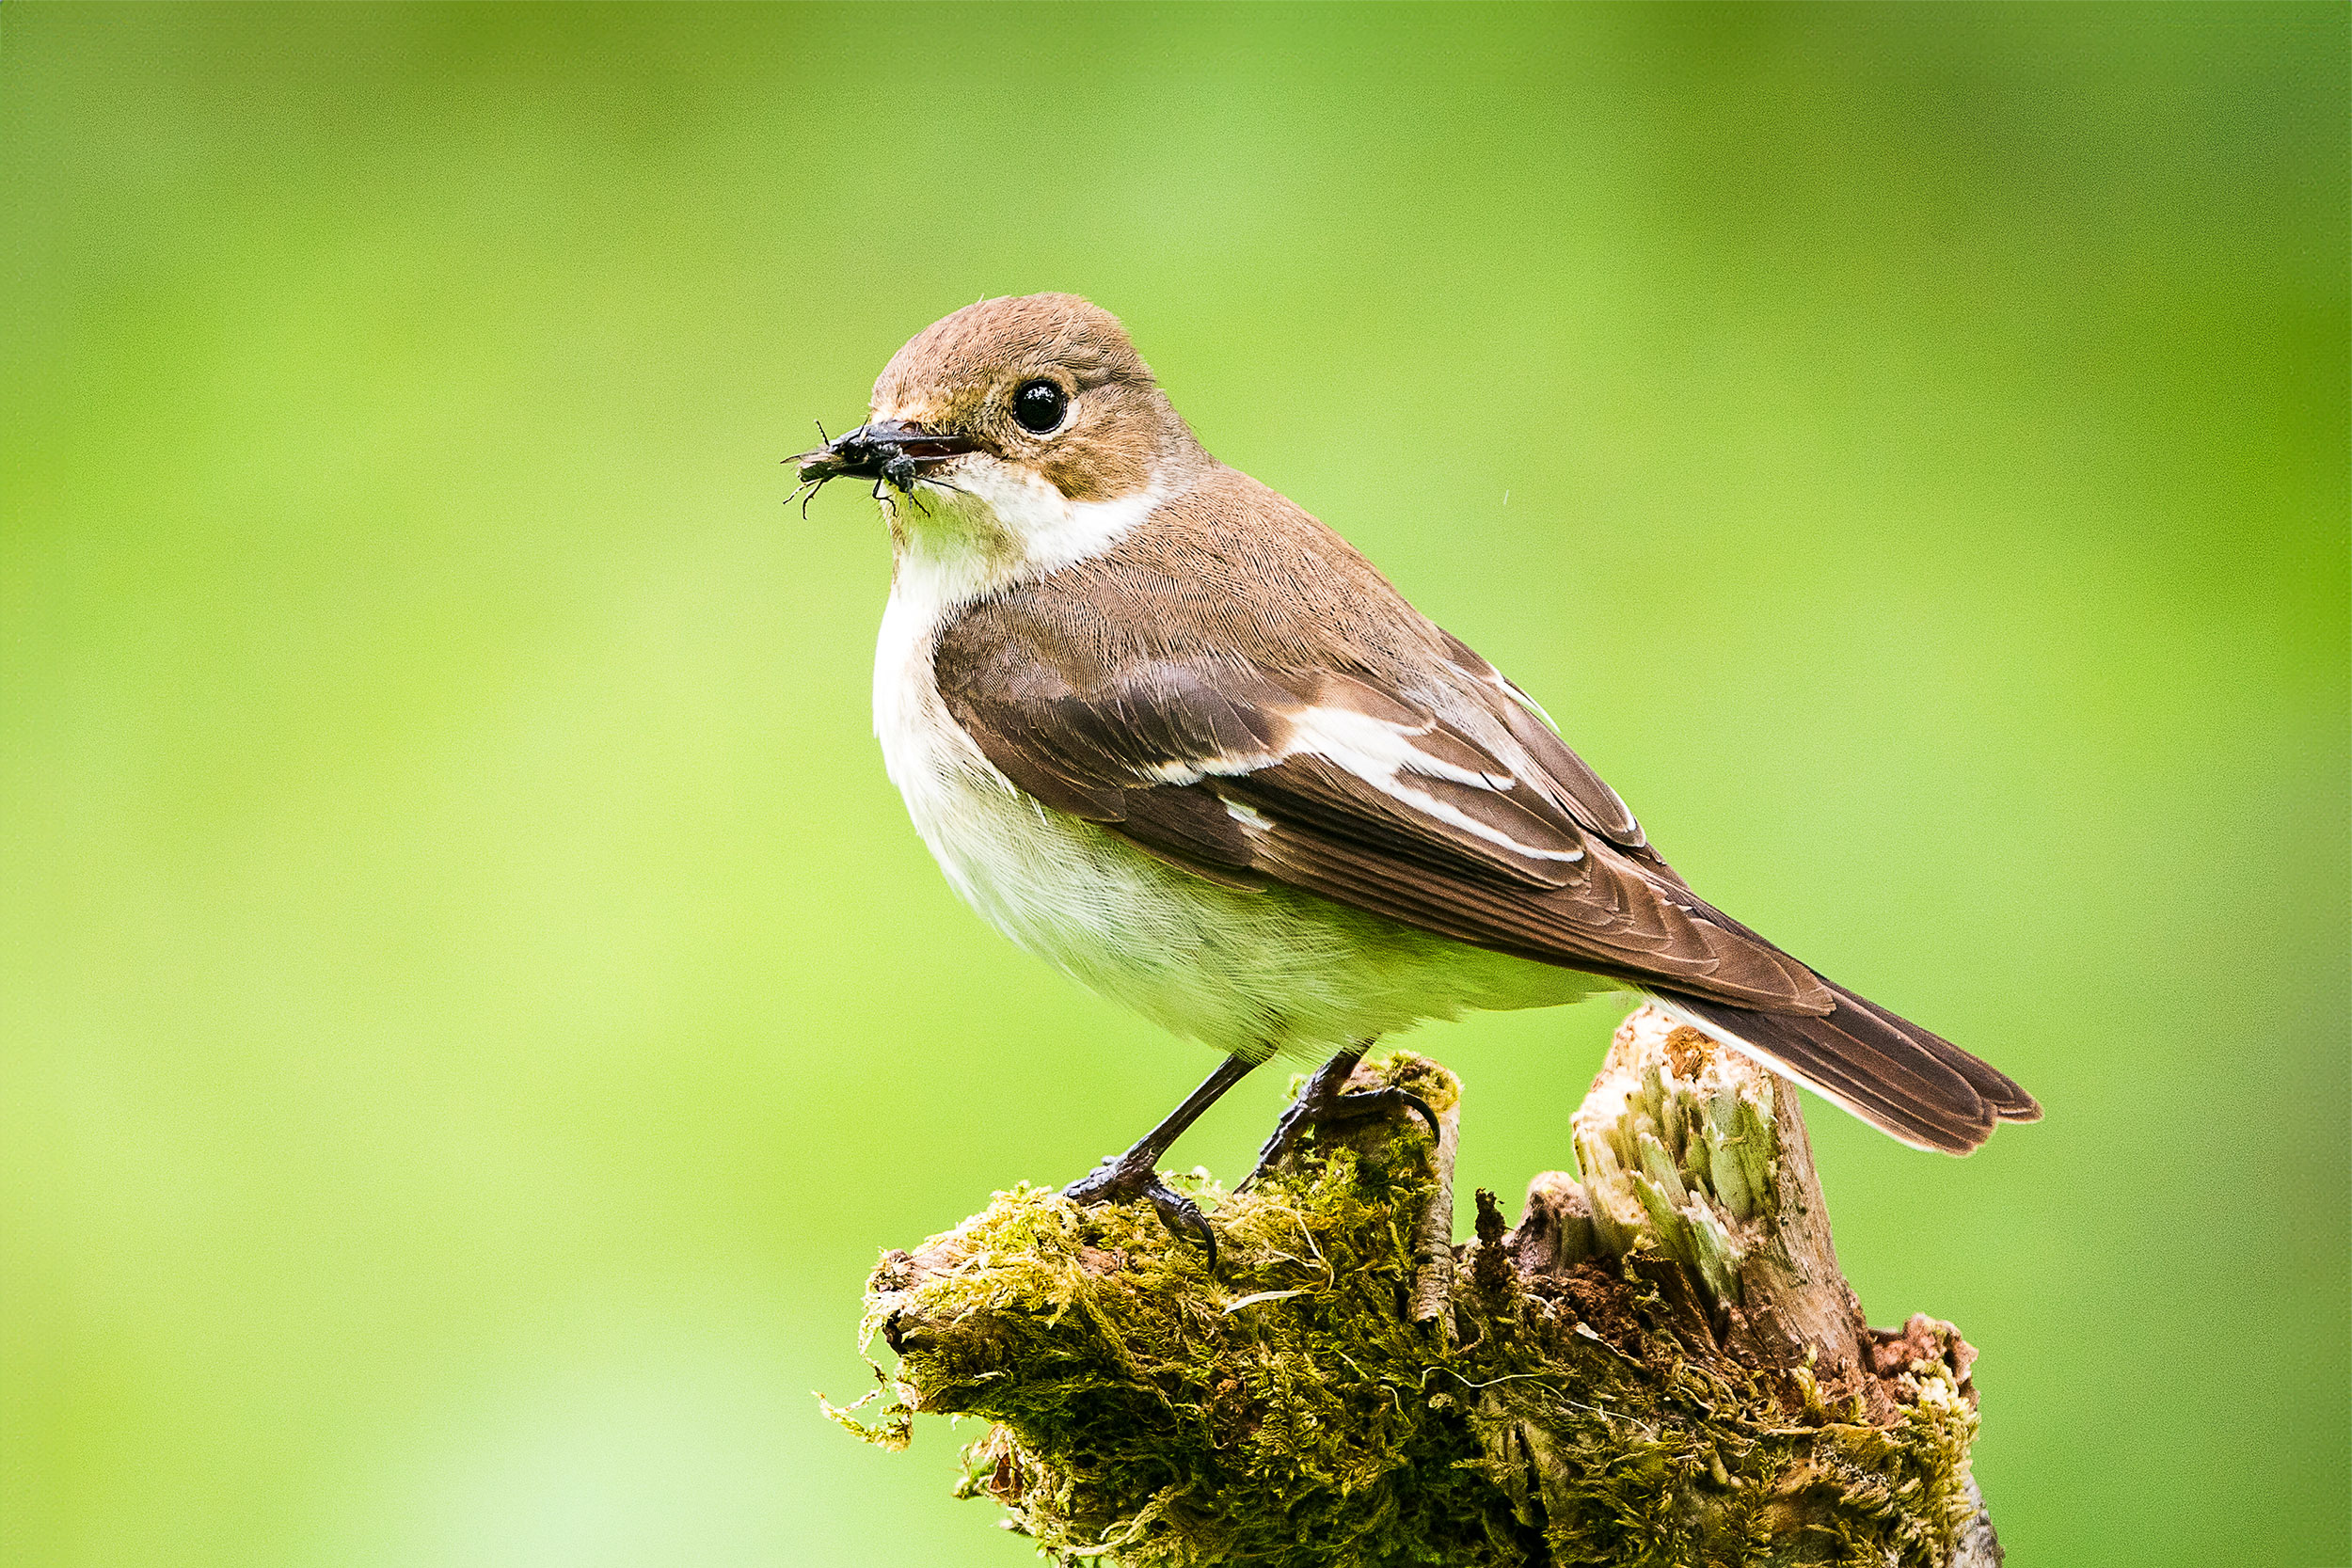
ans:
(1322, 1101)
(1136, 1173)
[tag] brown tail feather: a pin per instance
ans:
(2009, 1101)
(1906, 1081)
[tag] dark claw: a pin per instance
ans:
(1183, 1218)
(1115, 1181)
(1421, 1107)
(1310, 1110)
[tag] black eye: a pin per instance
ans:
(1039, 405)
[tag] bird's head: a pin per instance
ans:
(1028, 430)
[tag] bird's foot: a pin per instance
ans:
(1322, 1103)
(1122, 1178)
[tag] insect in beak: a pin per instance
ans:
(893, 451)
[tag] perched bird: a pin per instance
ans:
(1167, 731)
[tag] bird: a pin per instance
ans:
(1166, 730)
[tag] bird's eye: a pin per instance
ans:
(1040, 406)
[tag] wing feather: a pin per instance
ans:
(1583, 791)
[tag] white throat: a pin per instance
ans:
(979, 525)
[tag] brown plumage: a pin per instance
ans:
(1085, 687)
(1159, 651)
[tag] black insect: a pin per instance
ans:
(891, 453)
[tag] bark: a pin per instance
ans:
(1661, 1364)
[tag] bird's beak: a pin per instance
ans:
(886, 448)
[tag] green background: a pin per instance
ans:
(473, 1004)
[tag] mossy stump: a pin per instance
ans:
(1661, 1365)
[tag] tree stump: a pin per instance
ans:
(1661, 1365)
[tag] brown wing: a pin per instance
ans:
(1584, 792)
(1325, 782)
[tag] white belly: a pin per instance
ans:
(1250, 973)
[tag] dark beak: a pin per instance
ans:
(887, 449)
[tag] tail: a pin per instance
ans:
(1908, 1083)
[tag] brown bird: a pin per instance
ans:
(1169, 732)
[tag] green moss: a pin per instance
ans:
(1287, 1413)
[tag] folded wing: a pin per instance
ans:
(1326, 782)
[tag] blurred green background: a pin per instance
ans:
(474, 1008)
